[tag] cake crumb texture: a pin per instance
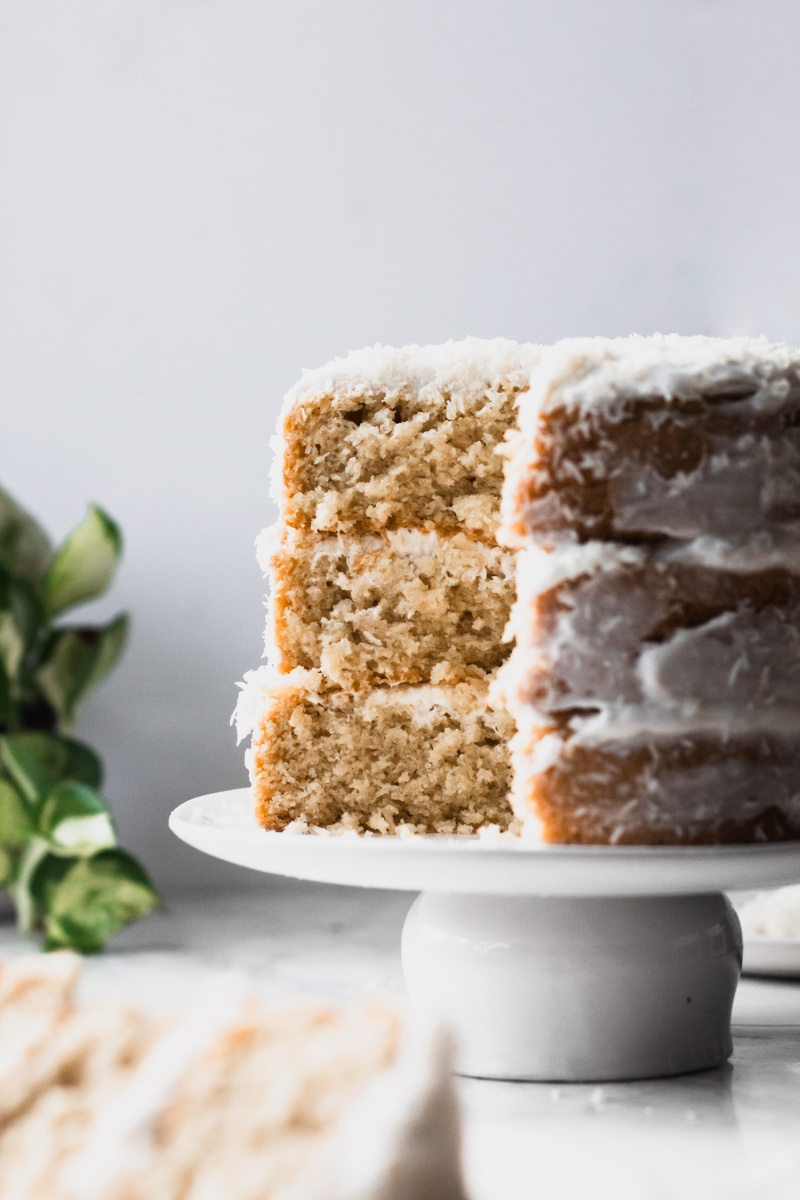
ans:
(402, 607)
(424, 759)
(400, 438)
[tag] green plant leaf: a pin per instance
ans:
(21, 889)
(77, 660)
(6, 706)
(37, 761)
(25, 549)
(16, 825)
(75, 821)
(12, 645)
(83, 903)
(7, 868)
(23, 602)
(24, 766)
(84, 564)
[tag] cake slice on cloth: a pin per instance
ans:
(653, 490)
(303, 1103)
(233, 1098)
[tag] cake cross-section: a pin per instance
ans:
(400, 438)
(389, 594)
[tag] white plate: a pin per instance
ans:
(771, 956)
(222, 825)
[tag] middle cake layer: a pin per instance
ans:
(702, 623)
(402, 607)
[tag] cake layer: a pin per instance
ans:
(643, 779)
(417, 759)
(641, 438)
(391, 438)
(705, 623)
(399, 607)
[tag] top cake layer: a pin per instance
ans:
(398, 438)
(665, 436)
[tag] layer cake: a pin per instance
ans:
(643, 777)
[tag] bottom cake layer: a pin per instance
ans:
(409, 759)
(645, 779)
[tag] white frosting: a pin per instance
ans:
(604, 643)
(682, 799)
(743, 483)
(760, 552)
(425, 700)
(604, 373)
(539, 570)
(268, 543)
(454, 366)
(631, 722)
(407, 543)
(257, 689)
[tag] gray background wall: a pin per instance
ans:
(200, 197)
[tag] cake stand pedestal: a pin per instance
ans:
(562, 963)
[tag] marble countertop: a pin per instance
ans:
(733, 1132)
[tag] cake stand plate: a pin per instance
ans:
(558, 963)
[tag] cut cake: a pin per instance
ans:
(389, 594)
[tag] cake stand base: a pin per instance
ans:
(551, 962)
(577, 988)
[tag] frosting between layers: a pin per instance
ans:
(424, 700)
(632, 723)
(539, 570)
(406, 543)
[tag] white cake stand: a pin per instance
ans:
(560, 963)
